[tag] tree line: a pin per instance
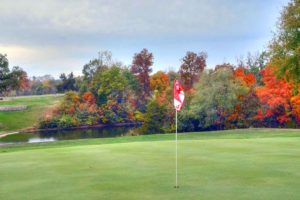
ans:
(261, 90)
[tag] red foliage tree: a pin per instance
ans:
(24, 81)
(192, 65)
(141, 67)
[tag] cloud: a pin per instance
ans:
(53, 35)
(45, 60)
(58, 20)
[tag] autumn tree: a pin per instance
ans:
(275, 98)
(192, 65)
(87, 113)
(24, 81)
(254, 63)
(248, 79)
(70, 103)
(159, 81)
(141, 67)
(163, 95)
(225, 66)
(43, 85)
(88, 98)
(284, 49)
(244, 113)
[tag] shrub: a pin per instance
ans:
(49, 123)
(67, 121)
(154, 116)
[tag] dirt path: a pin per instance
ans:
(6, 134)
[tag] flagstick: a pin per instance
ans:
(176, 185)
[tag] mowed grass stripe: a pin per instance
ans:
(228, 134)
(256, 168)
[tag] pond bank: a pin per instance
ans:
(9, 133)
(58, 135)
(35, 130)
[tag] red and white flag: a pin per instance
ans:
(178, 95)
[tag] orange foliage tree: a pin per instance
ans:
(247, 79)
(276, 96)
(295, 101)
(245, 109)
(88, 103)
(70, 103)
(88, 98)
(159, 81)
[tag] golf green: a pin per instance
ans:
(211, 168)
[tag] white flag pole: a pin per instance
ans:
(176, 160)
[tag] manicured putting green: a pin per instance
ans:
(211, 168)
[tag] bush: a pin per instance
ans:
(67, 121)
(92, 120)
(83, 117)
(49, 123)
(138, 116)
(153, 118)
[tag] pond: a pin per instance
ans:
(49, 136)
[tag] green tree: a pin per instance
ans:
(153, 118)
(284, 49)
(4, 74)
(68, 83)
(215, 98)
(96, 66)
(10, 80)
(133, 82)
(109, 83)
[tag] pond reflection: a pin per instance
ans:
(49, 136)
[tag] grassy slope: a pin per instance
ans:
(37, 105)
(243, 164)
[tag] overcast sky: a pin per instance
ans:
(54, 36)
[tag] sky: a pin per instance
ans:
(54, 36)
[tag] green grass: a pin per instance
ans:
(240, 164)
(15, 120)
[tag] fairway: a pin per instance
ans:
(213, 167)
(37, 106)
